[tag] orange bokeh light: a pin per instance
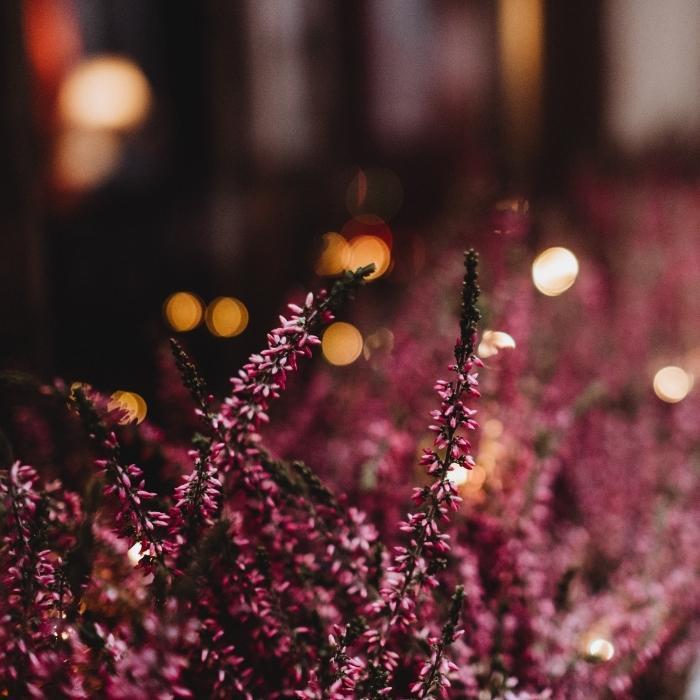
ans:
(370, 249)
(335, 256)
(341, 343)
(131, 403)
(183, 311)
(227, 317)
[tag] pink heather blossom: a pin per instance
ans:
(565, 567)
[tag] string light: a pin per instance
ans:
(183, 311)
(341, 343)
(672, 384)
(227, 317)
(554, 271)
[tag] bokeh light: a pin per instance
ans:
(458, 474)
(335, 255)
(492, 428)
(84, 159)
(135, 555)
(105, 92)
(183, 311)
(513, 205)
(379, 343)
(375, 192)
(227, 317)
(370, 249)
(131, 403)
(83, 386)
(474, 479)
(492, 342)
(341, 343)
(368, 225)
(554, 271)
(600, 649)
(672, 384)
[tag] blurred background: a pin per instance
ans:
(183, 167)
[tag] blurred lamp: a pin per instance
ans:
(600, 649)
(370, 249)
(105, 92)
(554, 271)
(492, 342)
(458, 474)
(182, 311)
(131, 403)
(672, 384)
(335, 256)
(84, 159)
(226, 317)
(341, 343)
(135, 554)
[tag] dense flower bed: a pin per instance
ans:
(549, 550)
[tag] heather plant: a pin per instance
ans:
(549, 553)
(234, 584)
(572, 538)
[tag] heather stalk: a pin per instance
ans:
(198, 499)
(261, 380)
(344, 531)
(442, 496)
(414, 567)
(264, 377)
(350, 543)
(433, 674)
(196, 385)
(29, 583)
(77, 569)
(135, 521)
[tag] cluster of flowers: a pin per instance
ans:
(550, 554)
(574, 538)
(252, 579)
